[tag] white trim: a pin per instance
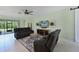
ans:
(76, 25)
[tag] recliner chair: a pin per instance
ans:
(47, 44)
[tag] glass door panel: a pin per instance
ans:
(2, 26)
(8, 25)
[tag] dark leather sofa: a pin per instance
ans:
(47, 44)
(22, 32)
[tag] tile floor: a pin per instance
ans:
(9, 44)
(65, 45)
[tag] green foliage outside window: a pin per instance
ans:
(6, 25)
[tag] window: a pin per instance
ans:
(8, 25)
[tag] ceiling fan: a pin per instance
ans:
(28, 12)
(74, 8)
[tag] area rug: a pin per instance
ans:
(28, 42)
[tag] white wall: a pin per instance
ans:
(65, 20)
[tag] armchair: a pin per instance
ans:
(48, 44)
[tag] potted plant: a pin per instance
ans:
(52, 24)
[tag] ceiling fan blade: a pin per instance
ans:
(25, 12)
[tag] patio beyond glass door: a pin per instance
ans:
(8, 25)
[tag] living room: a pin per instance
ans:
(39, 21)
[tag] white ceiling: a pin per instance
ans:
(37, 10)
(12, 11)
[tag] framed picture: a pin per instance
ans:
(44, 24)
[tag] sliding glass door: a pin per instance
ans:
(8, 25)
(2, 26)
